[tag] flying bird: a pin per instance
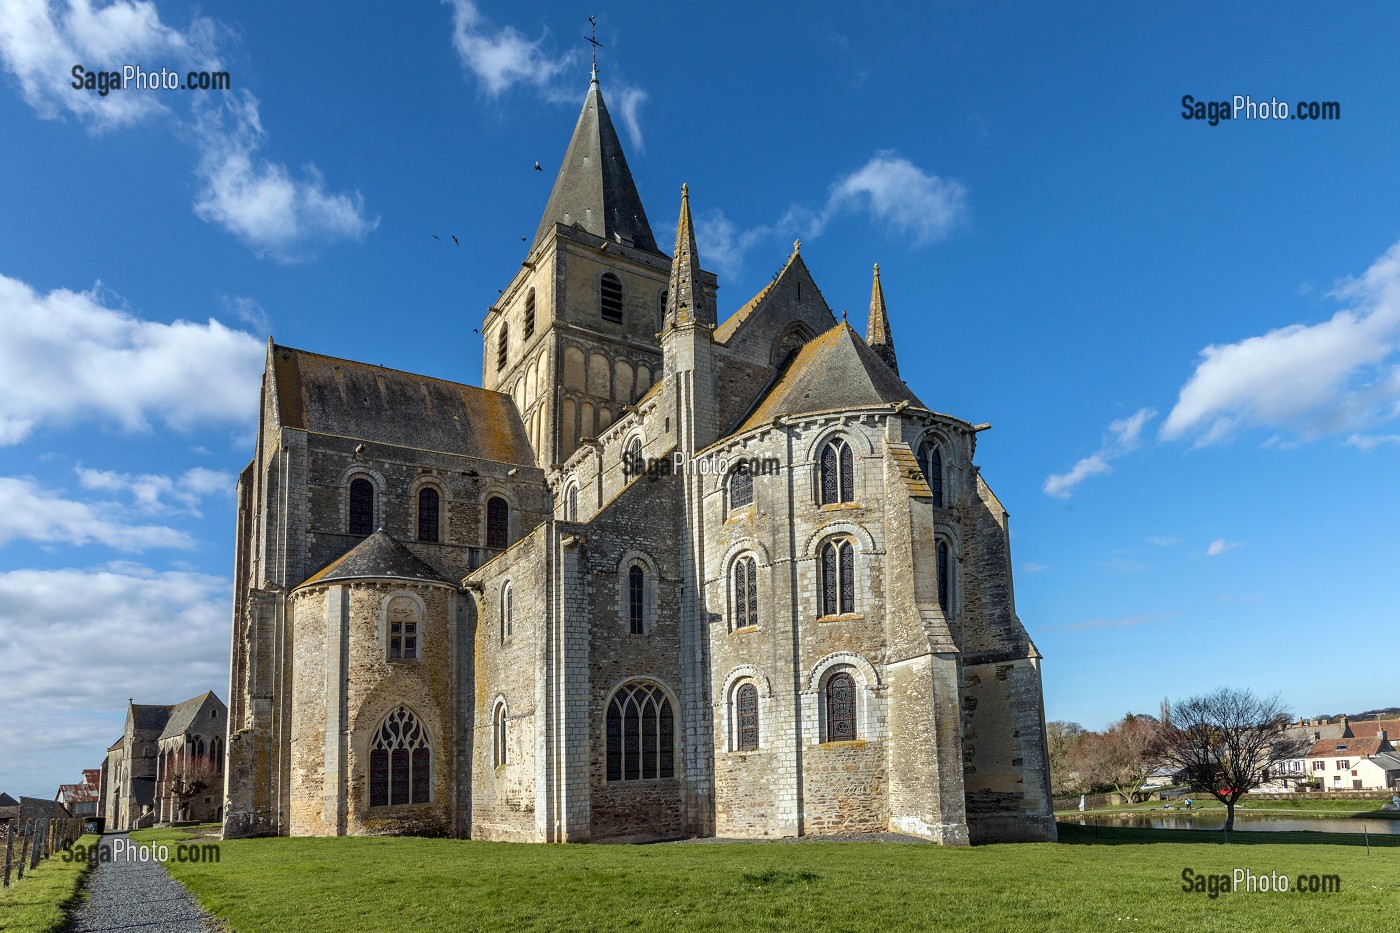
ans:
(522, 239)
(454, 239)
(537, 167)
(436, 237)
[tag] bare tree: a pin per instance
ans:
(190, 776)
(1063, 739)
(1227, 741)
(1123, 757)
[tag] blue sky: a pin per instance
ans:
(1184, 335)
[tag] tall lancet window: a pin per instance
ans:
(400, 761)
(837, 472)
(428, 514)
(841, 708)
(838, 584)
(745, 593)
(945, 582)
(529, 315)
(636, 600)
(497, 522)
(930, 459)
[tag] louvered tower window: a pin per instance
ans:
(610, 298)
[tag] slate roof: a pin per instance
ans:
(7, 801)
(149, 718)
(1389, 761)
(343, 398)
(594, 189)
(182, 714)
(731, 324)
(376, 557)
(834, 371)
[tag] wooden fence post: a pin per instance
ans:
(9, 845)
(23, 853)
(36, 845)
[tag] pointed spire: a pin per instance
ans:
(685, 296)
(877, 329)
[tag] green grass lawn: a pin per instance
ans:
(1083, 884)
(40, 903)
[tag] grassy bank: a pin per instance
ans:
(417, 884)
(40, 903)
(1301, 806)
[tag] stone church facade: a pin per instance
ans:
(660, 576)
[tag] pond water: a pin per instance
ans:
(1244, 822)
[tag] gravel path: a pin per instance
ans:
(138, 896)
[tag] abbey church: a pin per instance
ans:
(471, 612)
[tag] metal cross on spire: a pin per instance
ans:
(593, 40)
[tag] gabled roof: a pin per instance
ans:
(832, 372)
(182, 714)
(1367, 728)
(7, 801)
(326, 395)
(1388, 761)
(1348, 748)
(149, 718)
(794, 269)
(594, 189)
(375, 558)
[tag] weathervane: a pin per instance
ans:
(593, 40)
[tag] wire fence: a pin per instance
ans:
(27, 842)
(1108, 830)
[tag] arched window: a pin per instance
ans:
(361, 506)
(498, 733)
(661, 310)
(945, 588)
(837, 472)
(746, 718)
(403, 617)
(400, 761)
(507, 611)
(637, 600)
(427, 514)
(745, 593)
(529, 315)
(502, 347)
(641, 734)
(216, 752)
(610, 298)
(838, 593)
(571, 503)
(632, 458)
(840, 708)
(497, 522)
(741, 487)
(930, 459)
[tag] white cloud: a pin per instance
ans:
(1369, 442)
(1123, 436)
(1220, 546)
(630, 100)
(1124, 622)
(160, 494)
(502, 57)
(87, 639)
(258, 201)
(1338, 375)
(41, 41)
(1163, 540)
(67, 356)
(248, 311)
(903, 196)
(722, 244)
(31, 513)
(1034, 568)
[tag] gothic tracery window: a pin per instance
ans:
(840, 707)
(361, 507)
(745, 612)
(400, 761)
(838, 578)
(837, 472)
(641, 734)
(930, 459)
(428, 508)
(746, 718)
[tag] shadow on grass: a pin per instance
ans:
(1103, 835)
